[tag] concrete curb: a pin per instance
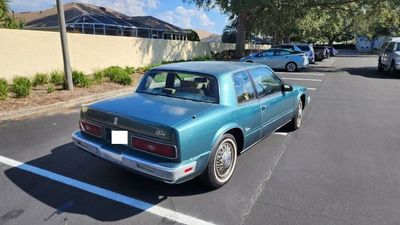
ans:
(62, 105)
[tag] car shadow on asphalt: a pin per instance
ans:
(371, 72)
(69, 161)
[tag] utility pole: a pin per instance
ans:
(64, 44)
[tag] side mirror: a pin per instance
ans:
(287, 88)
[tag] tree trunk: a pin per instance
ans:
(241, 35)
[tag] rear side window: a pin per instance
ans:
(243, 87)
(304, 48)
(281, 52)
(398, 46)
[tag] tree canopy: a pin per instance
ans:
(7, 20)
(308, 20)
(192, 35)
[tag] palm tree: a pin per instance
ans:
(6, 19)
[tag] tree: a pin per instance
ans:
(229, 34)
(192, 35)
(7, 20)
(243, 11)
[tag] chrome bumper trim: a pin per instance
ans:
(164, 173)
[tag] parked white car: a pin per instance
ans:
(389, 58)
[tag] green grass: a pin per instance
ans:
(21, 86)
(57, 77)
(3, 89)
(118, 75)
(50, 88)
(40, 79)
(98, 76)
(80, 79)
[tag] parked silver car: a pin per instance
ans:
(389, 58)
(280, 58)
(303, 47)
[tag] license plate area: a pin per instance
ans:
(119, 137)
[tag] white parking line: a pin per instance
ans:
(303, 79)
(303, 73)
(281, 133)
(312, 89)
(156, 210)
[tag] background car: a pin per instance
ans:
(292, 47)
(332, 51)
(306, 48)
(389, 59)
(309, 50)
(191, 119)
(321, 53)
(280, 58)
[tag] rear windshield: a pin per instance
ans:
(184, 85)
(304, 47)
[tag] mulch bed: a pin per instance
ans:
(39, 95)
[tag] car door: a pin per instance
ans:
(248, 113)
(276, 106)
(282, 57)
(265, 57)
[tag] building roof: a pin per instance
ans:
(206, 36)
(216, 68)
(86, 13)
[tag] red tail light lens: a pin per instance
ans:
(153, 147)
(90, 128)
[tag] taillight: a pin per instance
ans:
(90, 128)
(153, 147)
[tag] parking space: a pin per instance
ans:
(331, 171)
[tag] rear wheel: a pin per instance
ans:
(291, 67)
(222, 162)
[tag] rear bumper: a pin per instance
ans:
(167, 172)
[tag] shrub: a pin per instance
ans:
(118, 75)
(3, 89)
(50, 88)
(149, 67)
(98, 76)
(113, 71)
(40, 79)
(130, 70)
(57, 78)
(202, 58)
(80, 79)
(22, 86)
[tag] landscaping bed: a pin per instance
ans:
(39, 96)
(47, 88)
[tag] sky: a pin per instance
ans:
(177, 12)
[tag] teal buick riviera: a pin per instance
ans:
(190, 119)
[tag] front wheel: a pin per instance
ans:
(295, 123)
(291, 67)
(222, 162)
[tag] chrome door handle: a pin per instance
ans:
(263, 108)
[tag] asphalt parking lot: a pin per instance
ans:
(341, 167)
